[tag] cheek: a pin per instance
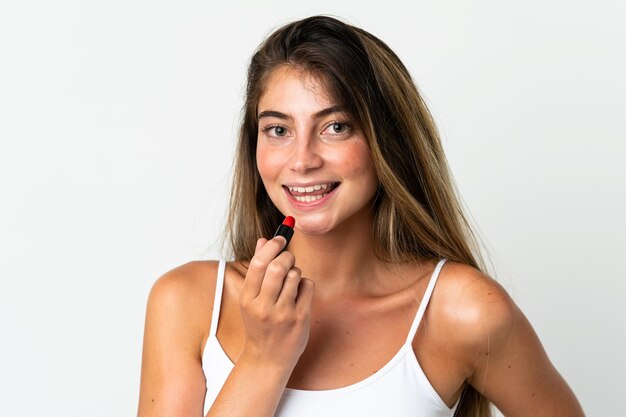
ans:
(267, 162)
(357, 161)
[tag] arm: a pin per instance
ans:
(172, 381)
(510, 366)
(275, 307)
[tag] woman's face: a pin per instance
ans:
(313, 161)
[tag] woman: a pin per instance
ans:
(378, 305)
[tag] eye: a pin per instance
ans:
(276, 131)
(337, 128)
(279, 131)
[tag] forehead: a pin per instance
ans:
(289, 85)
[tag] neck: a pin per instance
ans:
(339, 262)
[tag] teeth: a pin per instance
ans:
(308, 198)
(311, 188)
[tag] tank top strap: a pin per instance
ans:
(424, 303)
(217, 301)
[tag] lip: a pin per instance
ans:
(308, 184)
(313, 205)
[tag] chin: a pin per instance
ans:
(314, 231)
(314, 228)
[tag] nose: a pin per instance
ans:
(306, 155)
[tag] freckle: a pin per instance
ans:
(348, 332)
(152, 400)
(486, 353)
(509, 366)
(351, 364)
(489, 293)
(532, 394)
(317, 322)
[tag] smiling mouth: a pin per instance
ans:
(311, 193)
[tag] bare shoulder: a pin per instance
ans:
(185, 284)
(177, 322)
(185, 295)
(187, 276)
(494, 346)
(471, 306)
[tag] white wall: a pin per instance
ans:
(117, 126)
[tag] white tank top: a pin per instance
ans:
(400, 388)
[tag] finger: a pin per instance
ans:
(289, 292)
(259, 244)
(265, 254)
(275, 275)
(258, 265)
(305, 296)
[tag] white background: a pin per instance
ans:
(117, 128)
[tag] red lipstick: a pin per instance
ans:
(286, 229)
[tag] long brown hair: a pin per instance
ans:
(418, 213)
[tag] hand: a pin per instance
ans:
(275, 306)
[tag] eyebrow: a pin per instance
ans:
(279, 115)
